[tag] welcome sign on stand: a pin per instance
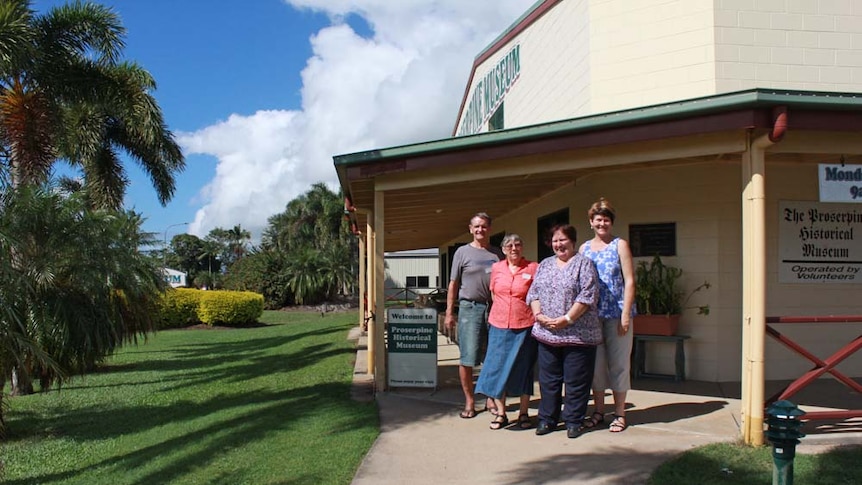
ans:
(412, 345)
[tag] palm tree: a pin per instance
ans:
(73, 283)
(313, 236)
(210, 252)
(63, 94)
(239, 239)
(305, 282)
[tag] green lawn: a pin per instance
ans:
(260, 405)
(728, 464)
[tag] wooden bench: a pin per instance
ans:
(639, 355)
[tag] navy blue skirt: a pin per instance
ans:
(509, 363)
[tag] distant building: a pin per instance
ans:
(175, 278)
(410, 273)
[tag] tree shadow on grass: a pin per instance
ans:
(270, 412)
(211, 360)
(248, 410)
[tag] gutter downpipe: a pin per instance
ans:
(754, 277)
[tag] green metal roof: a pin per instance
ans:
(753, 98)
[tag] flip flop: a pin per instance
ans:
(524, 421)
(468, 414)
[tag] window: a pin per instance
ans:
(496, 121)
(653, 239)
(417, 282)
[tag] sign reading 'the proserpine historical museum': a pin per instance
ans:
(412, 345)
(819, 242)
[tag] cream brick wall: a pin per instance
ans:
(646, 52)
(705, 203)
(789, 44)
(591, 56)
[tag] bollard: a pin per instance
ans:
(783, 423)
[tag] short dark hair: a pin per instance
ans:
(567, 229)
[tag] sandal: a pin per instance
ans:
(499, 422)
(468, 414)
(596, 419)
(618, 425)
(524, 421)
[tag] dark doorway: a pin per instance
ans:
(543, 231)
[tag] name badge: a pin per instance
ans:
(526, 276)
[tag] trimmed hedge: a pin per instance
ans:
(181, 307)
(230, 307)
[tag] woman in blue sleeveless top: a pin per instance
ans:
(613, 259)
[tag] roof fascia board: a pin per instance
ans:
(676, 110)
(699, 146)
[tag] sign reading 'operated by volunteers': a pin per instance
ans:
(819, 242)
(412, 347)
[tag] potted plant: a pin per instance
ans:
(659, 300)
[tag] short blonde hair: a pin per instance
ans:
(602, 207)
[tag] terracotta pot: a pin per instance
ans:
(656, 324)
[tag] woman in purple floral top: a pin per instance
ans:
(563, 299)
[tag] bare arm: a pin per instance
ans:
(451, 295)
(627, 266)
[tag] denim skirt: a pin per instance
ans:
(509, 363)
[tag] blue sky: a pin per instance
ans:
(262, 93)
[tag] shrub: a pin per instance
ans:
(179, 307)
(230, 307)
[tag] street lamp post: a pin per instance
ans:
(165, 247)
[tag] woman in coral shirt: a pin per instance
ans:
(508, 367)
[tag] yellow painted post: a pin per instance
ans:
(380, 378)
(362, 304)
(369, 286)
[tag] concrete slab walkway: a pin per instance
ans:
(424, 441)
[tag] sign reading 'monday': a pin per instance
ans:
(412, 345)
(819, 242)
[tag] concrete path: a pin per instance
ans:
(424, 441)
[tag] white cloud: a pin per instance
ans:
(402, 85)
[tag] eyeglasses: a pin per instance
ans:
(513, 245)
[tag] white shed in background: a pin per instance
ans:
(412, 272)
